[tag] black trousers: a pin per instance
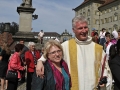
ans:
(29, 80)
(12, 85)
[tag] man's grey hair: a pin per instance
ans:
(78, 18)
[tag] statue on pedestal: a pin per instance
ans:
(27, 3)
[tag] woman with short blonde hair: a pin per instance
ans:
(49, 44)
(56, 75)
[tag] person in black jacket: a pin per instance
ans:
(56, 75)
(115, 64)
(4, 58)
(22, 56)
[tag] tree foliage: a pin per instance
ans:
(13, 27)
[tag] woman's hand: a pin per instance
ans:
(24, 67)
(40, 69)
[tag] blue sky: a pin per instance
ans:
(53, 15)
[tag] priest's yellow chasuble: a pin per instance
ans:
(74, 66)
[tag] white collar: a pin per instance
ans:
(88, 41)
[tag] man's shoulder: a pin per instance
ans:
(98, 46)
(25, 49)
(66, 42)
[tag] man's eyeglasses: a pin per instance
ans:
(54, 52)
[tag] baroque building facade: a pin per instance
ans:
(100, 14)
(65, 36)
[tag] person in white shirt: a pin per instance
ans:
(40, 36)
(102, 37)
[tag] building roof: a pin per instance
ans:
(86, 1)
(107, 2)
(47, 34)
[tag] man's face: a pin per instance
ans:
(103, 30)
(21, 42)
(81, 31)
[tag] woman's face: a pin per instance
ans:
(55, 54)
(32, 47)
(108, 38)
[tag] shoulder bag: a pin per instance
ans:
(11, 75)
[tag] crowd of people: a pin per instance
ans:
(111, 47)
(87, 59)
(22, 61)
(80, 63)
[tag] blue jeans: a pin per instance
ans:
(102, 41)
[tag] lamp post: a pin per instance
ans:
(34, 17)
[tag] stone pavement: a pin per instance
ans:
(22, 86)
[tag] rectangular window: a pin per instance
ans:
(116, 8)
(97, 12)
(106, 20)
(102, 20)
(97, 22)
(110, 19)
(116, 18)
(110, 10)
(105, 11)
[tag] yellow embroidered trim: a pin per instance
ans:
(98, 57)
(73, 64)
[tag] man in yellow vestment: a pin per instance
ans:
(84, 58)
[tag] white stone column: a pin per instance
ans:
(25, 20)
